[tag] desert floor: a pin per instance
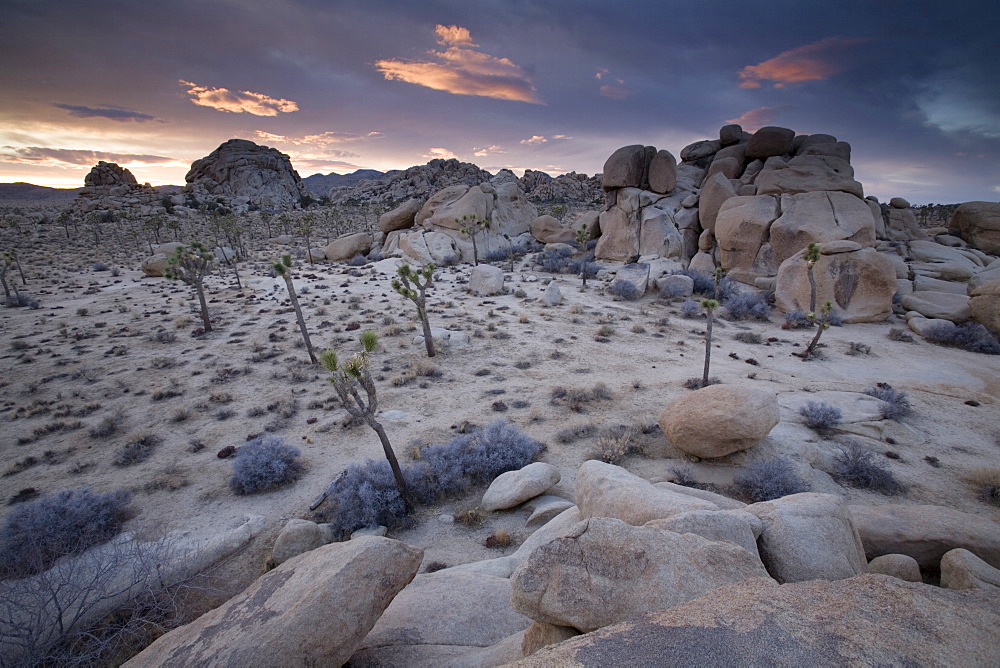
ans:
(122, 348)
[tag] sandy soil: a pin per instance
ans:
(122, 347)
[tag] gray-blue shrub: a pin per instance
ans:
(747, 306)
(366, 494)
(625, 290)
(895, 403)
(358, 260)
(820, 415)
(264, 463)
(859, 467)
(703, 283)
(970, 336)
(690, 308)
(796, 320)
(768, 479)
(35, 534)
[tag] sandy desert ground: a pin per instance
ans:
(121, 348)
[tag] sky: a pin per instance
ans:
(520, 84)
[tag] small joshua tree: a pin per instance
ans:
(582, 236)
(409, 285)
(190, 264)
(7, 259)
(709, 305)
(283, 268)
(822, 323)
(347, 378)
(473, 225)
(812, 257)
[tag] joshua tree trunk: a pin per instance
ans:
(812, 289)
(428, 339)
(299, 318)
(393, 464)
(708, 349)
(200, 289)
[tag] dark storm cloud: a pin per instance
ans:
(112, 113)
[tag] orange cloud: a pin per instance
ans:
(245, 101)
(534, 139)
(439, 153)
(322, 138)
(63, 157)
(461, 70)
(757, 118)
(488, 150)
(812, 62)
(615, 92)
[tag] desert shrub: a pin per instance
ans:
(986, 480)
(497, 255)
(895, 403)
(671, 290)
(100, 266)
(768, 479)
(358, 260)
(855, 348)
(860, 467)
(625, 290)
(138, 449)
(897, 334)
(570, 434)
(554, 263)
(264, 463)
(703, 283)
(576, 266)
(796, 320)
(747, 306)
(835, 319)
(108, 426)
(970, 336)
(20, 300)
(749, 337)
(820, 415)
(690, 308)
(617, 443)
(367, 495)
(37, 533)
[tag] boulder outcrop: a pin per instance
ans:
(244, 174)
(719, 420)
(979, 224)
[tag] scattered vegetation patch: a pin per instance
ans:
(37, 533)
(986, 480)
(571, 434)
(895, 404)
(857, 466)
(752, 338)
(768, 479)
(747, 306)
(264, 463)
(576, 399)
(367, 495)
(138, 449)
(970, 336)
(820, 416)
(897, 334)
(617, 443)
(855, 348)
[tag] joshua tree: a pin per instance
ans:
(812, 257)
(510, 248)
(822, 324)
(346, 379)
(189, 264)
(307, 224)
(6, 262)
(410, 286)
(283, 268)
(473, 225)
(582, 236)
(709, 305)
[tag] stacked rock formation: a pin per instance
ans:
(570, 187)
(241, 174)
(110, 187)
(420, 181)
(431, 230)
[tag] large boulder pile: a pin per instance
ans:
(435, 234)
(113, 189)
(570, 187)
(420, 181)
(241, 174)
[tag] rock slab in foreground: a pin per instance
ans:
(868, 620)
(313, 609)
(611, 572)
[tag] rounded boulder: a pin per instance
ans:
(719, 420)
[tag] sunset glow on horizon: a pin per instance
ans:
(550, 86)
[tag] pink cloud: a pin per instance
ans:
(223, 99)
(757, 118)
(812, 62)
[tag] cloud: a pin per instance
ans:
(951, 102)
(245, 101)
(615, 92)
(321, 139)
(439, 153)
(601, 72)
(533, 140)
(493, 149)
(757, 118)
(812, 62)
(111, 113)
(60, 157)
(461, 70)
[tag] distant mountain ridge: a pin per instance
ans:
(33, 193)
(320, 184)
